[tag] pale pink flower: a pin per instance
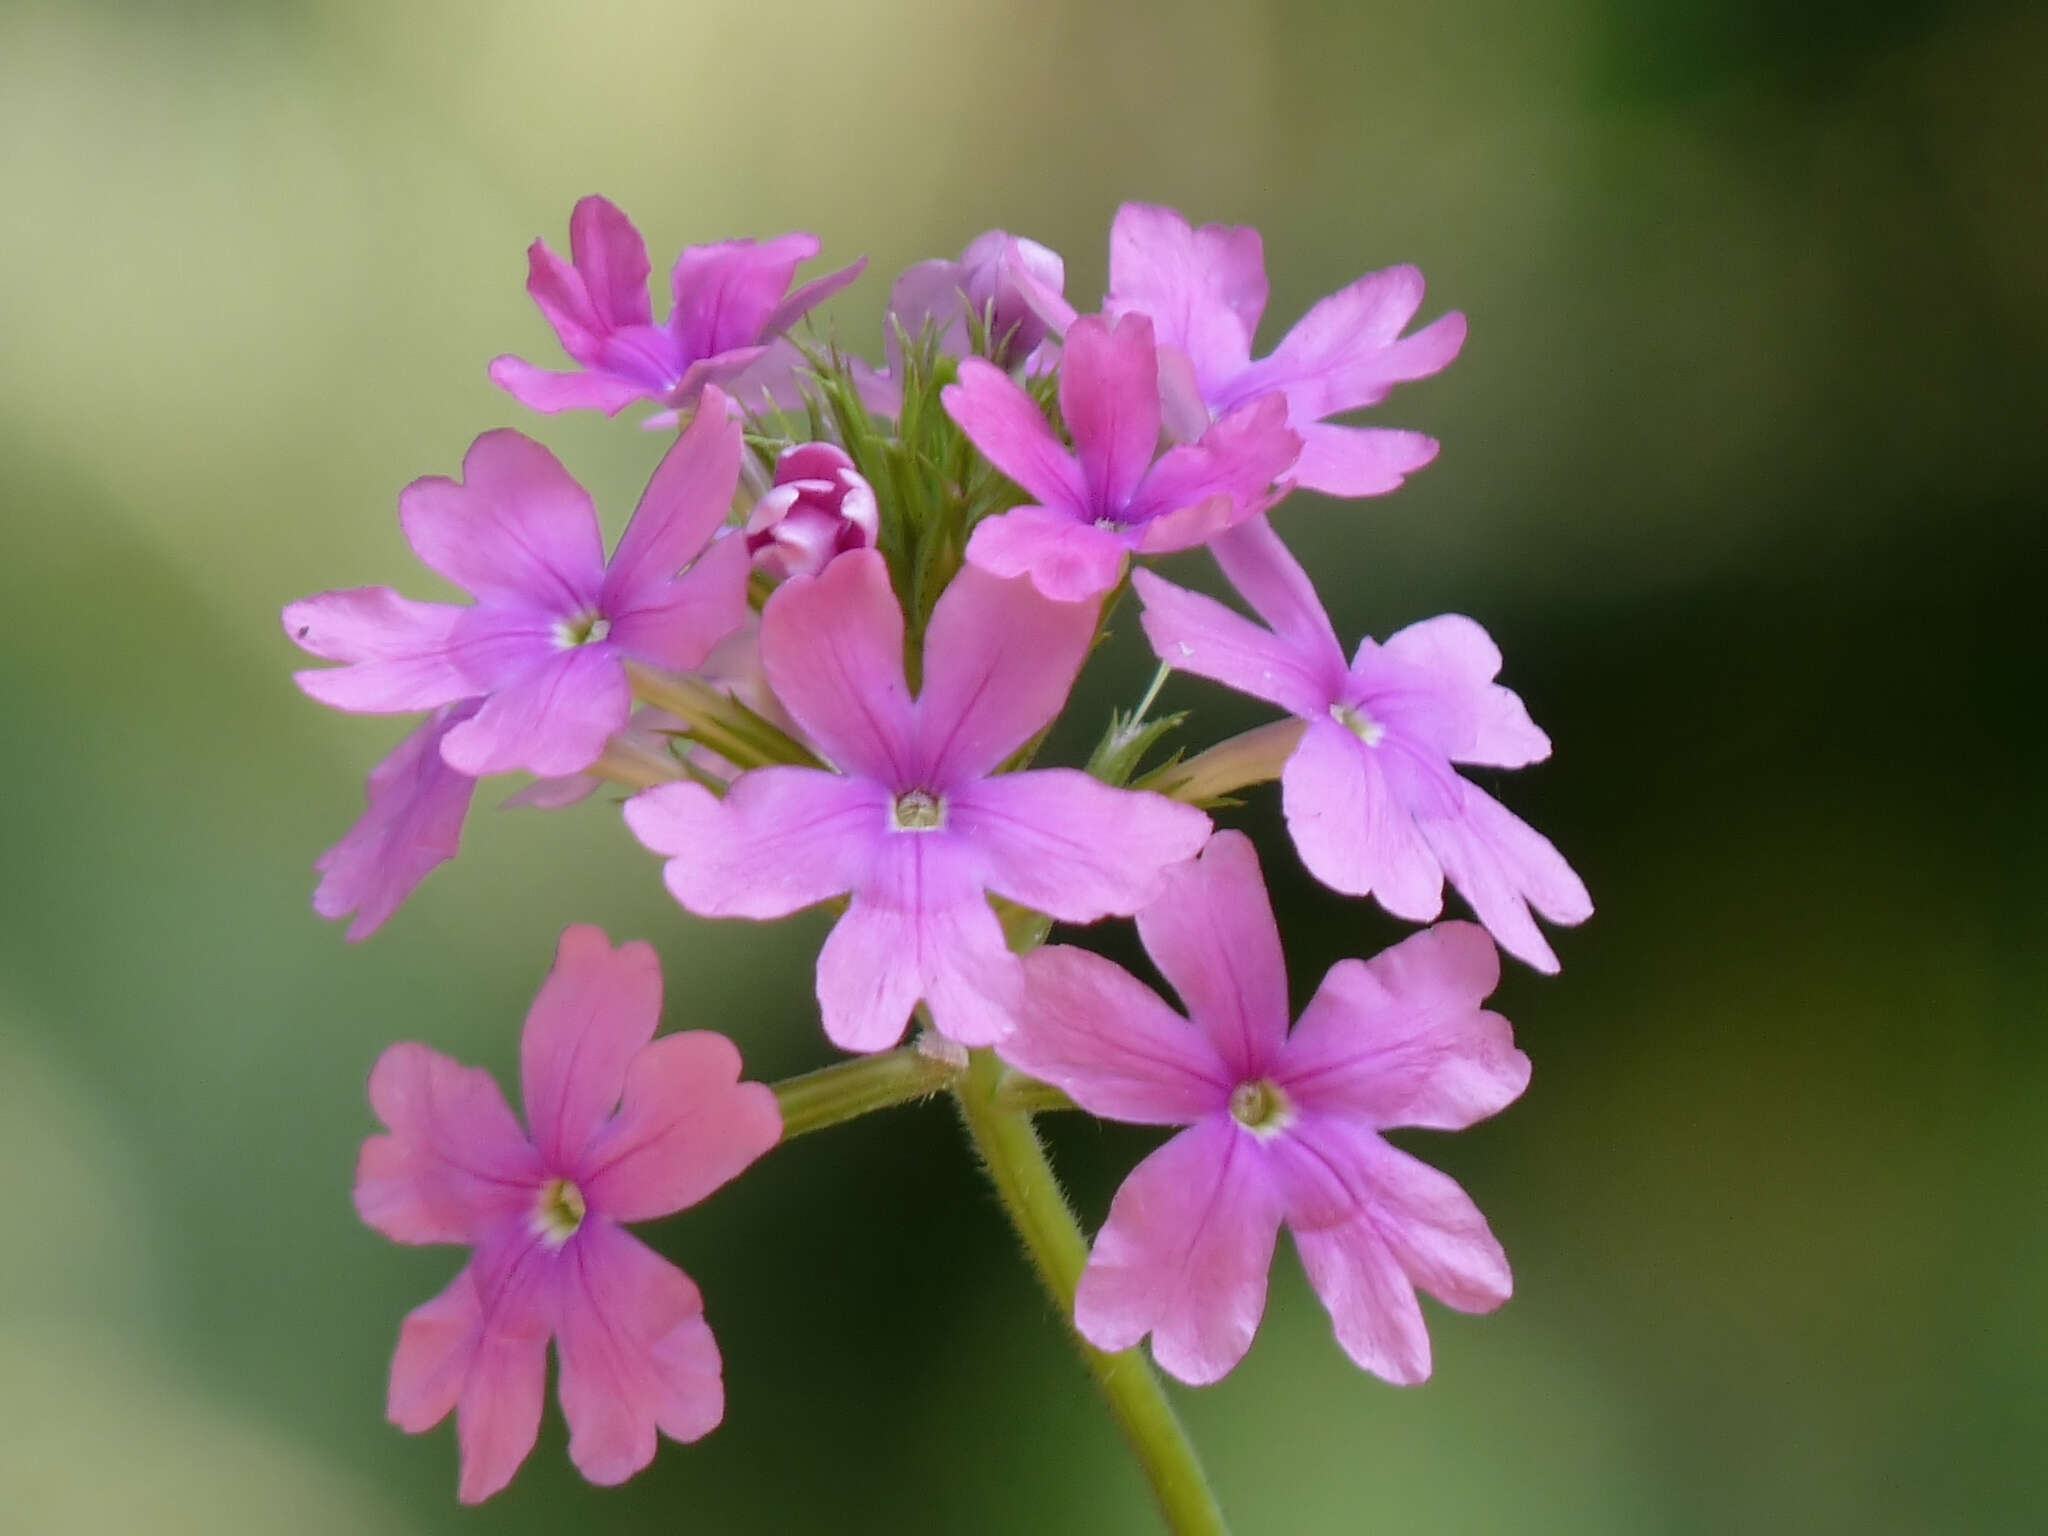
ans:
(1205, 290)
(1281, 1128)
(1108, 498)
(818, 507)
(622, 1128)
(732, 302)
(1370, 795)
(553, 625)
(413, 826)
(917, 826)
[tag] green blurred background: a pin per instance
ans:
(1744, 465)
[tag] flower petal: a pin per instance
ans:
(1109, 398)
(783, 839)
(401, 654)
(1071, 846)
(1094, 1030)
(553, 721)
(1212, 935)
(1194, 633)
(685, 503)
(1068, 561)
(636, 1354)
(832, 645)
(725, 293)
(454, 1165)
(611, 259)
(919, 926)
(516, 526)
(1009, 428)
(1458, 653)
(687, 1125)
(1370, 1300)
(1401, 1039)
(1357, 461)
(1267, 576)
(1236, 461)
(1347, 352)
(1184, 1254)
(1353, 834)
(1000, 660)
(676, 624)
(549, 392)
(597, 1009)
(412, 827)
(1503, 867)
(1205, 289)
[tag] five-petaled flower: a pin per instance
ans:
(732, 304)
(1108, 498)
(553, 625)
(1280, 1127)
(1370, 795)
(917, 826)
(543, 1213)
(1205, 290)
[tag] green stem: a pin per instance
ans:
(1015, 1159)
(833, 1095)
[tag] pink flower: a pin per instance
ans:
(1280, 1128)
(818, 507)
(1108, 498)
(1369, 794)
(1206, 288)
(412, 827)
(545, 645)
(621, 1130)
(917, 825)
(731, 303)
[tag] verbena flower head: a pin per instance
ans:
(620, 1128)
(553, 624)
(916, 826)
(1280, 1128)
(732, 301)
(1370, 794)
(1205, 290)
(818, 507)
(1108, 498)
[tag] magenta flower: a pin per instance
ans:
(1205, 289)
(1369, 794)
(1280, 1128)
(621, 1130)
(732, 301)
(413, 826)
(818, 507)
(917, 826)
(546, 644)
(1108, 498)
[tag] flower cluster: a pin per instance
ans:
(821, 662)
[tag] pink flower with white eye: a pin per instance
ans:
(1108, 499)
(413, 826)
(917, 826)
(623, 1128)
(1012, 285)
(732, 302)
(546, 643)
(818, 507)
(1205, 289)
(1281, 1128)
(1370, 795)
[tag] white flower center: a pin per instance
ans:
(1359, 723)
(558, 1211)
(1260, 1107)
(586, 630)
(917, 810)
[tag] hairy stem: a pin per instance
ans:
(1015, 1159)
(833, 1095)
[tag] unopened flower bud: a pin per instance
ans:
(818, 507)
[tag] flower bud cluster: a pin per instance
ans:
(849, 606)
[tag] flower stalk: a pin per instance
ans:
(836, 1094)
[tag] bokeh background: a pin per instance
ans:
(1744, 465)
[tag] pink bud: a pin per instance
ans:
(818, 507)
(1006, 279)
